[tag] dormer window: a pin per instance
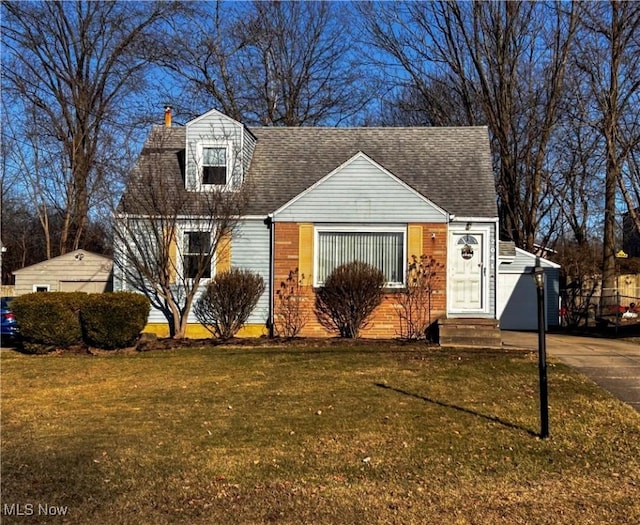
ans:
(214, 166)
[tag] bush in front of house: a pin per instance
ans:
(349, 296)
(228, 301)
(290, 313)
(114, 320)
(49, 321)
(414, 300)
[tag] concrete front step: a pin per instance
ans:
(476, 333)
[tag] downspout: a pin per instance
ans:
(451, 217)
(270, 319)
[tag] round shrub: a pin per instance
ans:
(348, 298)
(114, 320)
(228, 301)
(49, 320)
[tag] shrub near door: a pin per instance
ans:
(114, 320)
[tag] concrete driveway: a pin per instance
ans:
(613, 364)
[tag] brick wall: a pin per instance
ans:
(385, 321)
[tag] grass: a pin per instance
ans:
(345, 434)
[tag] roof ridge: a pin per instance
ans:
(358, 128)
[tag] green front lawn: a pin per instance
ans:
(336, 433)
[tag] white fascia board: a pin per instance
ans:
(458, 219)
(357, 156)
(186, 217)
(535, 257)
(212, 112)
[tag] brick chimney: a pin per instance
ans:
(167, 116)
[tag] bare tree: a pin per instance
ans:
(414, 301)
(609, 62)
(581, 270)
(631, 192)
(574, 162)
(270, 62)
(34, 167)
(507, 59)
(291, 312)
(68, 67)
(435, 103)
(167, 238)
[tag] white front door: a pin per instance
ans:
(466, 272)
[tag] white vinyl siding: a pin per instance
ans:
(516, 286)
(249, 250)
(361, 192)
(214, 130)
(383, 248)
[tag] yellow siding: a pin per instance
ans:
(253, 330)
(223, 258)
(414, 242)
(197, 331)
(305, 246)
(173, 255)
(160, 329)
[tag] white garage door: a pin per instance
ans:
(517, 302)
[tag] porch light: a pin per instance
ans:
(538, 277)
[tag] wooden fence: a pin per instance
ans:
(7, 290)
(629, 286)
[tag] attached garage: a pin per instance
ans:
(517, 303)
(77, 271)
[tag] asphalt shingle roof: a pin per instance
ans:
(449, 166)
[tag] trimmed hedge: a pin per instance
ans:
(49, 320)
(53, 320)
(114, 320)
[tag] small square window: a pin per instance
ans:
(214, 166)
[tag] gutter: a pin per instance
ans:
(268, 221)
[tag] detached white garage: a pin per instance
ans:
(77, 271)
(517, 303)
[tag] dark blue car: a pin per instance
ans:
(8, 325)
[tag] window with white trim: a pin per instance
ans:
(214, 165)
(196, 246)
(383, 248)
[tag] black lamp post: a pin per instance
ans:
(538, 275)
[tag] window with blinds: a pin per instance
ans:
(384, 250)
